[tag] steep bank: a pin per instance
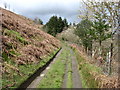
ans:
(24, 47)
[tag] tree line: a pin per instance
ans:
(55, 25)
(100, 21)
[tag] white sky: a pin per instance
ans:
(44, 9)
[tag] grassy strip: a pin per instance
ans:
(54, 77)
(85, 68)
(26, 70)
(69, 78)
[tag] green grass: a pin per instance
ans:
(12, 77)
(25, 70)
(88, 81)
(69, 77)
(55, 75)
(15, 35)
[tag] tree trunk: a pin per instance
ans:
(110, 63)
(100, 43)
(100, 48)
(91, 48)
(107, 62)
(118, 56)
(85, 49)
(111, 55)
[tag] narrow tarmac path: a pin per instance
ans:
(75, 77)
(76, 81)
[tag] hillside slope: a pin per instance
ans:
(23, 44)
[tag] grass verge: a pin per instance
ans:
(54, 77)
(85, 68)
(17, 78)
(69, 77)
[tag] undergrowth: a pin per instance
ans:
(13, 34)
(85, 69)
(17, 74)
(14, 74)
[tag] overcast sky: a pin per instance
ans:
(44, 9)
